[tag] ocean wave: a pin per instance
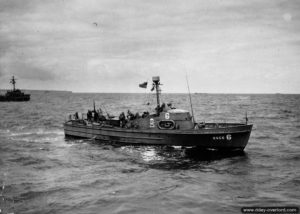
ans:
(291, 157)
(133, 170)
(27, 160)
(36, 136)
(296, 138)
(29, 195)
(37, 132)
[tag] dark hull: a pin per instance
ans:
(14, 99)
(233, 137)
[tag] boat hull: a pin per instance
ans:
(225, 138)
(14, 99)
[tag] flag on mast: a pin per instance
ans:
(143, 85)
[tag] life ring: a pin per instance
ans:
(201, 125)
(166, 124)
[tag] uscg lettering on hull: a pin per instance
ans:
(219, 138)
(167, 116)
(228, 137)
(152, 123)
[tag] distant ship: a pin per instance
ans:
(15, 95)
(165, 126)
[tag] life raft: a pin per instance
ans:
(166, 124)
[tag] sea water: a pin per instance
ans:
(42, 172)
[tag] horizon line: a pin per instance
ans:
(85, 92)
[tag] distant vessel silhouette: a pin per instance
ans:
(15, 95)
(166, 126)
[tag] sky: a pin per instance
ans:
(222, 46)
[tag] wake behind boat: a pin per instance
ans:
(166, 126)
(15, 94)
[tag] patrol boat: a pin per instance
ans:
(15, 94)
(166, 126)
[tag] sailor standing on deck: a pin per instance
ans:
(89, 115)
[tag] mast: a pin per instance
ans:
(156, 85)
(13, 81)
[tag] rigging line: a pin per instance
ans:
(190, 98)
(146, 95)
